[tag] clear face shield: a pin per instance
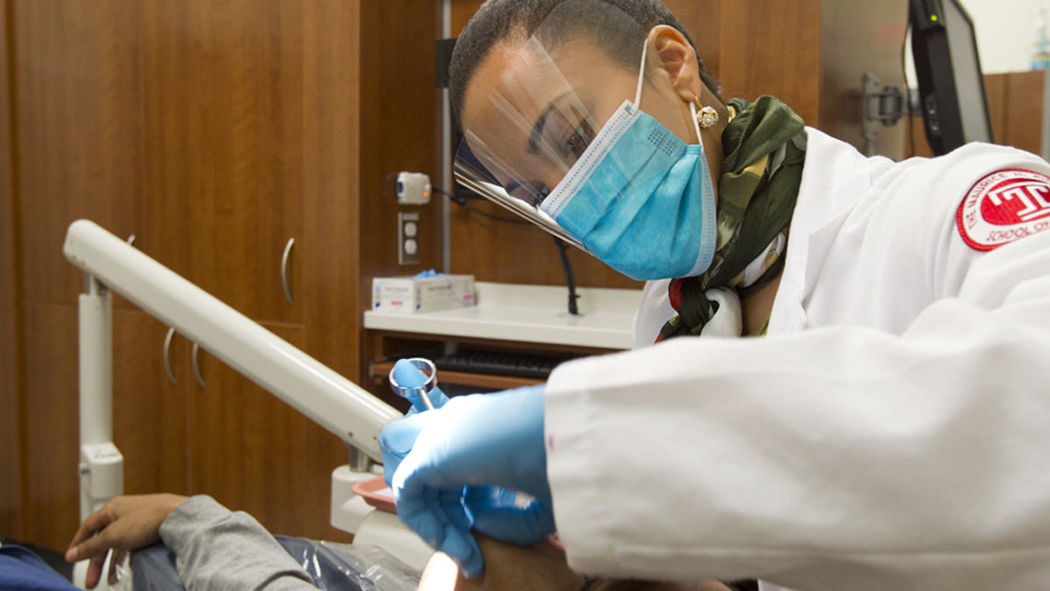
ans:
(539, 112)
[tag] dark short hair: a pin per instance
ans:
(497, 19)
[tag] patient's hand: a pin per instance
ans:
(123, 524)
(541, 567)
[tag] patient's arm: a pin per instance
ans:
(218, 549)
(540, 567)
(214, 547)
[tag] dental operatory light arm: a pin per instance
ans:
(325, 397)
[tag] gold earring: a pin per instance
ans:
(707, 115)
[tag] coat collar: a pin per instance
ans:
(834, 178)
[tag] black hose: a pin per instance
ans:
(570, 281)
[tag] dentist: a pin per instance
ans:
(887, 429)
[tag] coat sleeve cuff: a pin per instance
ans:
(572, 470)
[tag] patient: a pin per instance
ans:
(219, 549)
(539, 567)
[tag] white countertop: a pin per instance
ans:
(528, 313)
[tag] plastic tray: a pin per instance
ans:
(376, 493)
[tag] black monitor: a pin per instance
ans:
(951, 85)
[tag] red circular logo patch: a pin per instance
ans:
(1004, 206)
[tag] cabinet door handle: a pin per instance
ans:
(167, 356)
(196, 366)
(284, 270)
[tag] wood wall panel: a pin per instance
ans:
(702, 19)
(399, 129)
(1023, 110)
(918, 145)
(50, 505)
(995, 91)
(331, 175)
(11, 353)
(76, 98)
(772, 47)
(518, 253)
(461, 11)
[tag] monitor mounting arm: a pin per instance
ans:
(883, 106)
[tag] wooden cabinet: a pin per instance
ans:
(222, 100)
(214, 132)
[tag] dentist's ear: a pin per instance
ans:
(678, 59)
(679, 62)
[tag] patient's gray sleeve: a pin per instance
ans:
(216, 548)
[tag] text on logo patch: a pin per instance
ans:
(1004, 206)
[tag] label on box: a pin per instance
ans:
(408, 295)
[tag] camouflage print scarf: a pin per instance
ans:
(764, 146)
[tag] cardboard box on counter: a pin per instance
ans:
(409, 295)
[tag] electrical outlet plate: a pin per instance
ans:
(408, 237)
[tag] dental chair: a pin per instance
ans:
(333, 567)
(382, 545)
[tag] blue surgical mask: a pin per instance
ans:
(639, 198)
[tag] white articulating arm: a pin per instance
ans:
(325, 397)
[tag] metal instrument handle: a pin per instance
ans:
(284, 270)
(167, 356)
(427, 367)
(196, 366)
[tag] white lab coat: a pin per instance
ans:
(891, 432)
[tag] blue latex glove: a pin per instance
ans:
(509, 516)
(493, 442)
(496, 512)
(397, 446)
